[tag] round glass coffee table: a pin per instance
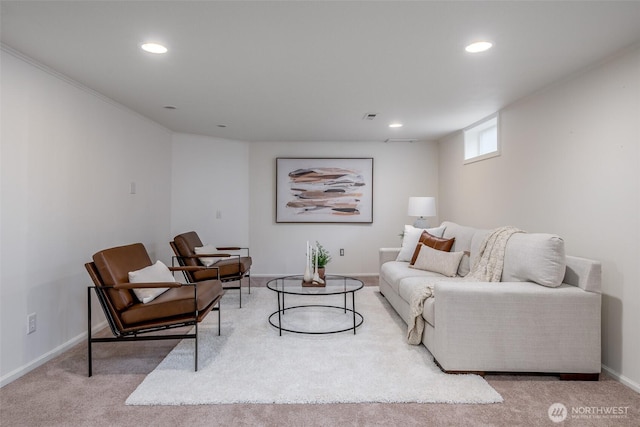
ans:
(301, 319)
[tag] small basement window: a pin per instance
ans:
(481, 140)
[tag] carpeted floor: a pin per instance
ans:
(59, 394)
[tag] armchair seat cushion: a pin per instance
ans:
(229, 267)
(173, 303)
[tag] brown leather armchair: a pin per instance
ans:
(230, 268)
(182, 305)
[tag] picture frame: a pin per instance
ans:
(324, 190)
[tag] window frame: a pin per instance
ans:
(477, 129)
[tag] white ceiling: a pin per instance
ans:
(310, 70)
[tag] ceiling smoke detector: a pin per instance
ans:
(369, 116)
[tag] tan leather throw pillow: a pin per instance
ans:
(438, 243)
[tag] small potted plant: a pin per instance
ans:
(320, 257)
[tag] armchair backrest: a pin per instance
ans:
(183, 245)
(114, 264)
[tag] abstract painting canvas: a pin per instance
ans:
(324, 190)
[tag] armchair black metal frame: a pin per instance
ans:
(191, 258)
(138, 332)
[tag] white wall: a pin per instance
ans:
(570, 165)
(400, 170)
(210, 175)
(68, 157)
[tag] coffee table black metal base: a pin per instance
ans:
(357, 320)
(336, 285)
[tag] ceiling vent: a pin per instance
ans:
(369, 116)
(401, 140)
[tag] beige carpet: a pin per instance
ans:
(59, 394)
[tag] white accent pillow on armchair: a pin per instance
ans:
(204, 250)
(156, 273)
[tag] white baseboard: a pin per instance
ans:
(23, 370)
(622, 379)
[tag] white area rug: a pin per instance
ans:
(251, 363)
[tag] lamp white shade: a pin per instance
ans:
(422, 206)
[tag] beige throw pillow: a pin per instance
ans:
(445, 263)
(156, 273)
(207, 250)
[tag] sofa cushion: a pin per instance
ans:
(465, 264)
(464, 237)
(432, 241)
(429, 311)
(476, 241)
(445, 263)
(410, 239)
(408, 284)
(535, 257)
(529, 257)
(394, 271)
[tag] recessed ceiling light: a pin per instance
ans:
(478, 47)
(153, 48)
(395, 125)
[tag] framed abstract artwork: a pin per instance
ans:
(330, 190)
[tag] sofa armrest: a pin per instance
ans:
(388, 254)
(584, 273)
(507, 325)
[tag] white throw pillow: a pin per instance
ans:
(445, 263)
(156, 273)
(207, 249)
(410, 240)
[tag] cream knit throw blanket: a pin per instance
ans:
(487, 268)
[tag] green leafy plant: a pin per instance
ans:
(323, 255)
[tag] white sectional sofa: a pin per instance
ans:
(543, 317)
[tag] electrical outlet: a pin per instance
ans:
(31, 323)
(341, 252)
